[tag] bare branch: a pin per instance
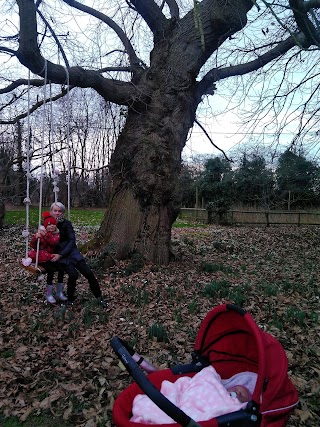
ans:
(29, 54)
(35, 107)
(304, 23)
(133, 59)
(7, 50)
(211, 142)
(152, 15)
(13, 100)
(21, 82)
(217, 74)
(110, 69)
(55, 37)
(174, 9)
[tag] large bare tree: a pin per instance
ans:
(160, 82)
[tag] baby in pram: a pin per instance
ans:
(202, 397)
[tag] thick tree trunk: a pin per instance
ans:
(145, 168)
(142, 229)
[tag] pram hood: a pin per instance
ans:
(232, 342)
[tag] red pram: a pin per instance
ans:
(230, 341)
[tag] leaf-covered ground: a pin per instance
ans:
(57, 363)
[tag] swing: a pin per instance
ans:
(33, 268)
(27, 263)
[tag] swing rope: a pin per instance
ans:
(27, 200)
(68, 144)
(53, 152)
(55, 173)
(42, 155)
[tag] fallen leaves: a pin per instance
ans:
(59, 362)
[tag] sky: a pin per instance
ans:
(225, 130)
(223, 134)
(222, 119)
(224, 127)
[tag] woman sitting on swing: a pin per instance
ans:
(48, 236)
(69, 257)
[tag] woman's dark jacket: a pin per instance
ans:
(67, 247)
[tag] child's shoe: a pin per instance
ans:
(59, 294)
(49, 297)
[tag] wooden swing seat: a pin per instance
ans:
(32, 268)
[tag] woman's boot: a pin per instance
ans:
(50, 298)
(59, 294)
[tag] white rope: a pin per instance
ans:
(68, 145)
(53, 151)
(27, 200)
(42, 155)
(29, 150)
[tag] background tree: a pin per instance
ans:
(297, 181)
(12, 173)
(6, 172)
(160, 93)
(214, 180)
(253, 182)
(187, 185)
(215, 186)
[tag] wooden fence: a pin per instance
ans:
(238, 217)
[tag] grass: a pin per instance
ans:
(209, 267)
(159, 332)
(186, 224)
(91, 217)
(216, 289)
(34, 421)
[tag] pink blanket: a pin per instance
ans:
(202, 397)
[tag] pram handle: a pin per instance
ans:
(141, 361)
(123, 350)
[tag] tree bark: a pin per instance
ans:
(145, 167)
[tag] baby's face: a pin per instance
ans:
(51, 228)
(243, 394)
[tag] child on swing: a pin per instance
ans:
(48, 236)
